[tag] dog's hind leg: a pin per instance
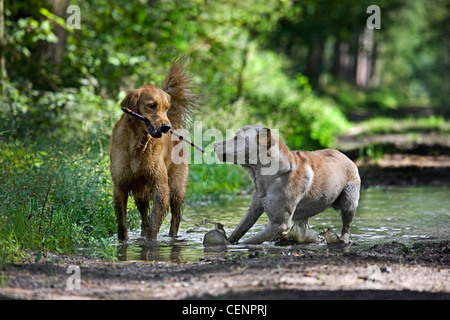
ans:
(177, 182)
(176, 201)
(120, 199)
(142, 204)
(348, 203)
(141, 194)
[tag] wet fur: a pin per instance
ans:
(305, 184)
(140, 164)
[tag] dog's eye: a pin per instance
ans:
(152, 105)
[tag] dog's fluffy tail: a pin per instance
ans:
(185, 101)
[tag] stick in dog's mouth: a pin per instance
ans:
(157, 134)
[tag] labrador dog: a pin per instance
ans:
(290, 186)
(142, 163)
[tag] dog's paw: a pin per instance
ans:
(300, 234)
(331, 237)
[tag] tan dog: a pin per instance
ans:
(290, 185)
(141, 163)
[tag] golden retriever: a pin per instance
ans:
(141, 163)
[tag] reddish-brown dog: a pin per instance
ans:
(141, 163)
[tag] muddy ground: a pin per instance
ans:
(385, 271)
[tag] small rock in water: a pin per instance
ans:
(331, 237)
(216, 237)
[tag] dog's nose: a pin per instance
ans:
(165, 127)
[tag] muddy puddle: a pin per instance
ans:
(405, 215)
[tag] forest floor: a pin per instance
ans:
(404, 153)
(400, 161)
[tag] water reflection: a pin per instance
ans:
(396, 214)
(150, 251)
(171, 251)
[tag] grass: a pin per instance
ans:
(52, 199)
(385, 125)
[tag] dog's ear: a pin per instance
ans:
(264, 137)
(131, 100)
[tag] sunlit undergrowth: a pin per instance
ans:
(383, 125)
(53, 199)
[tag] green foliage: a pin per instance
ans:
(104, 249)
(215, 180)
(380, 125)
(10, 249)
(57, 200)
(372, 151)
(305, 120)
(354, 100)
(415, 55)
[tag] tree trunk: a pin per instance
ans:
(336, 67)
(240, 80)
(377, 60)
(53, 52)
(315, 62)
(364, 58)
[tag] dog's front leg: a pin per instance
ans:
(253, 213)
(279, 221)
(271, 231)
(120, 198)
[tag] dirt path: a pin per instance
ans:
(385, 271)
(399, 159)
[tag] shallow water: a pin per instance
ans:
(404, 215)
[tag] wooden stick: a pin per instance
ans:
(180, 137)
(176, 134)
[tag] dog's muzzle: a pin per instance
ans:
(152, 131)
(221, 152)
(165, 127)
